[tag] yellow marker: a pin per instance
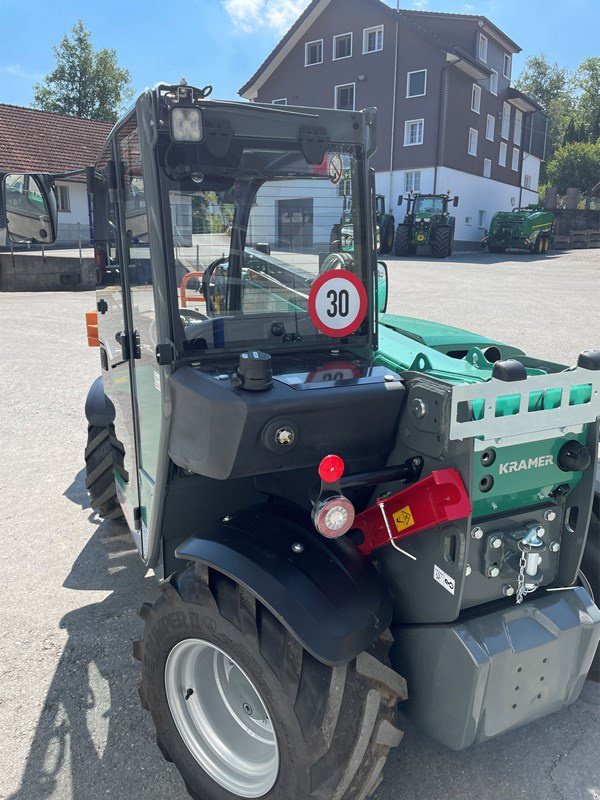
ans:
(403, 519)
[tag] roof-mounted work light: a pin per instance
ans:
(186, 124)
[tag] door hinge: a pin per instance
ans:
(137, 518)
(123, 340)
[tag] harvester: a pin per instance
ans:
(348, 511)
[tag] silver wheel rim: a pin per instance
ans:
(221, 718)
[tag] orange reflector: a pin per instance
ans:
(91, 324)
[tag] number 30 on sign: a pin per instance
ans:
(337, 303)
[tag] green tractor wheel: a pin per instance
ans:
(387, 238)
(104, 455)
(402, 241)
(440, 241)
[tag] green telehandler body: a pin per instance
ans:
(348, 511)
(530, 228)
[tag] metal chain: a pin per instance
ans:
(521, 588)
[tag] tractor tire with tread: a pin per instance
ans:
(103, 454)
(590, 567)
(440, 241)
(387, 238)
(334, 726)
(402, 240)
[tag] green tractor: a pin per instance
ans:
(348, 511)
(530, 228)
(428, 222)
(341, 233)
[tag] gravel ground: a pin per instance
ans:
(70, 723)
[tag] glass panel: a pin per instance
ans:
(251, 247)
(428, 205)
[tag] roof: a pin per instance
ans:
(417, 20)
(40, 141)
(523, 101)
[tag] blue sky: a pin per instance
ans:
(223, 41)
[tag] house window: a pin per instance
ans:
(507, 65)
(413, 132)
(481, 219)
(482, 50)
(490, 127)
(518, 129)
(416, 83)
(313, 53)
(502, 156)
(63, 199)
(468, 220)
(373, 39)
(494, 82)
(527, 181)
(473, 136)
(515, 159)
(342, 46)
(412, 181)
(487, 167)
(476, 98)
(281, 102)
(505, 120)
(344, 97)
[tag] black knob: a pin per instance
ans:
(255, 370)
(574, 457)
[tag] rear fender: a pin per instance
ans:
(323, 592)
(99, 410)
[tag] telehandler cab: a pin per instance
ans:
(338, 502)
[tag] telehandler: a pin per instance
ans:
(348, 511)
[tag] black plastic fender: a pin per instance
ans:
(322, 591)
(99, 410)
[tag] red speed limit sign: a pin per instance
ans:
(337, 303)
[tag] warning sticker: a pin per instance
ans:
(444, 579)
(335, 169)
(403, 519)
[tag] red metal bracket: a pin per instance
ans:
(438, 498)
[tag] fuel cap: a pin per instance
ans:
(255, 370)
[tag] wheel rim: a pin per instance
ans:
(221, 718)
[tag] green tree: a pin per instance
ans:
(85, 82)
(587, 82)
(576, 165)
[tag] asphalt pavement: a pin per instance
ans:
(71, 727)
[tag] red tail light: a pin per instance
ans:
(333, 516)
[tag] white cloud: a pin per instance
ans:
(420, 4)
(278, 15)
(17, 71)
(469, 8)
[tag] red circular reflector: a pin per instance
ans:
(331, 469)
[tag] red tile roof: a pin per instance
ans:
(39, 141)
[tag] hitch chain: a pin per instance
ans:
(522, 590)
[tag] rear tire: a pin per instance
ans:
(402, 240)
(440, 241)
(104, 454)
(387, 240)
(333, 726)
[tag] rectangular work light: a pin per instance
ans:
(186, 124)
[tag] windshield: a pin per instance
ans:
(429, 205)
(249, 242)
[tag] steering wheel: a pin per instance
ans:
(336, 261)
(217, 268)
(189, 315)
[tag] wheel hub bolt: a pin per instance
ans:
(247, 708)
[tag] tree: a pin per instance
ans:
(587, 82)
(576, 165)
(85, 82)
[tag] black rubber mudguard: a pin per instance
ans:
(323, 592)
(99, 410)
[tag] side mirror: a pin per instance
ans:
(400, 199)
(455, 202)
(30, 207)
(382, 287)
